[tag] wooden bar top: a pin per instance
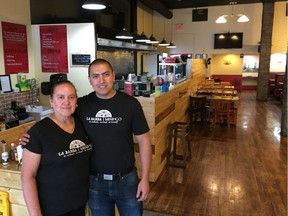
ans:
(12, 167)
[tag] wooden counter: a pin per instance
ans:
(160, 111)
(10, 180)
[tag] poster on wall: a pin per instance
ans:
(15, 48)
(53, 43)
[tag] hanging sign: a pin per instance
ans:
(15, 48)
(54, 54)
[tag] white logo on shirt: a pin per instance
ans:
(104, 117)
(75, 147)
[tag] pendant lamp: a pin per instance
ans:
(163, 42)
(171, 44)
(124, 34)
(94, 5)
(152, 40)
(143, 37)
(242, 18)
(223, 18)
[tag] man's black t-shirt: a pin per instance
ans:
(110, 124)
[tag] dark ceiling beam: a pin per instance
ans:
(159, 7)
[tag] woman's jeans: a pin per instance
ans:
(104, 194)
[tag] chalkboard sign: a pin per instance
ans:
(81, 59)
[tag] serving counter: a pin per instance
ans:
(10, 179)
(161, 110)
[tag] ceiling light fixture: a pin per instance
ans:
(94, 5)
(143, 37)
(152, 40)
(223, 18)
(171, 44)
(124, 34)
(164, 42)
(242, 18)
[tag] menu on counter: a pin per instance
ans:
(15, 48)
(54, 54)
(5, 83)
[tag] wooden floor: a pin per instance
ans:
(237, 171)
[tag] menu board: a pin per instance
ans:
(81, 59)
(54, 54)
(5, 83)
(15, 48)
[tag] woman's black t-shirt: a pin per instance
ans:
(63, 174)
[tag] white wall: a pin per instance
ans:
(81, 40)
(197, 37)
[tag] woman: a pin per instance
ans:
(55, 169)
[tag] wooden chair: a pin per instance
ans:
(197, 109)
(233, 115)
(222, 112)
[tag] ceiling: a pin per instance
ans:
(165, 7)
(178, 4)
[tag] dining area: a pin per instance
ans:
(214, 103)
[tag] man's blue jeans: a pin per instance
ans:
(104, 194)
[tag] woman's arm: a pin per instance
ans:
(30, 164)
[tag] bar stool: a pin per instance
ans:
(179, 135)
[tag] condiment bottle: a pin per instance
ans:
(4, 155)
(12, 152)
(15, 153)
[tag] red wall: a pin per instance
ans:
(235, 80)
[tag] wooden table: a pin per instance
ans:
(216, 92)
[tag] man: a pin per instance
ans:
(110, 119)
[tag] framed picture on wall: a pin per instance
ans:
(5, 83)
